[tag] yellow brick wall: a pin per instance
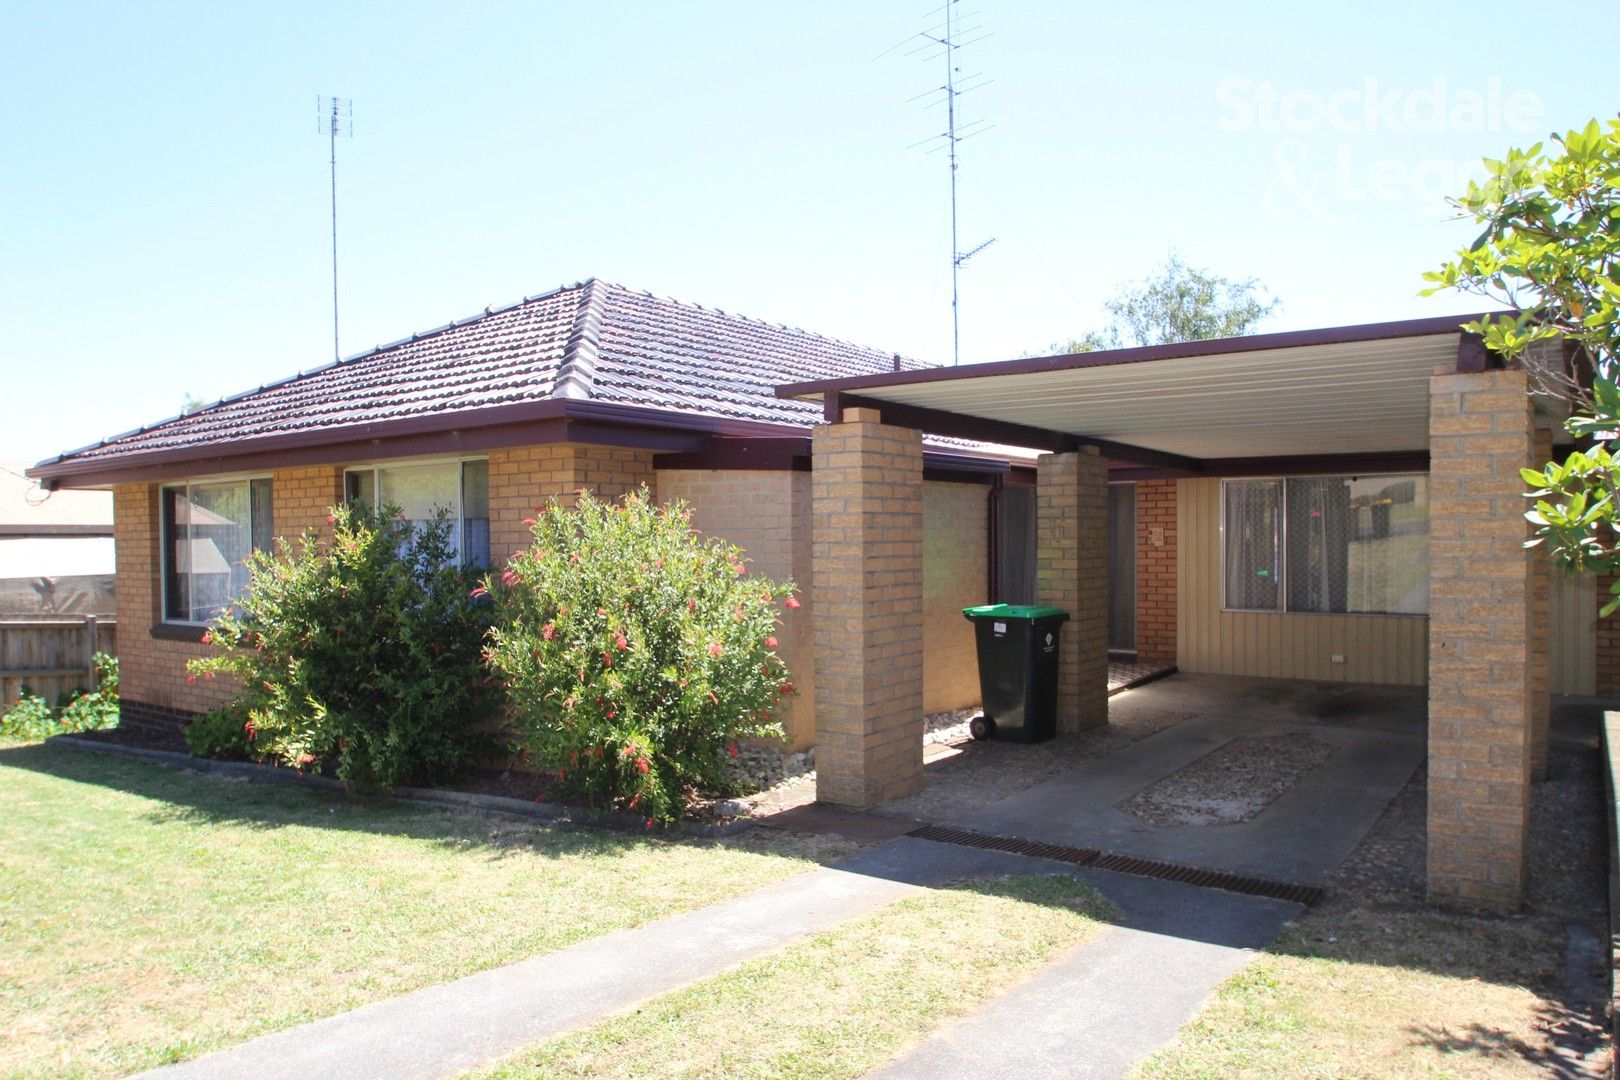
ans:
(956, 556)
(523, 478)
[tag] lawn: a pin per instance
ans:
(148, 915)
(1363, 992)
(841, 1003)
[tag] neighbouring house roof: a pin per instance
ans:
(28, 510)
(589, 350)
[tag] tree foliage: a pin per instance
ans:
(1177, 302)
(1550, 251)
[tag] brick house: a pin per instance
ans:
(589, 386)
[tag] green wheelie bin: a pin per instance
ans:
(1018, 664)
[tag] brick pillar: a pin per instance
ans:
(1071, 572)
(1481, 700)
(1156, 571)
(867, 543)
(1542, 569)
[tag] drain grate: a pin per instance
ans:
(1308, 895)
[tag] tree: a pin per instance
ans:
(1177, 303)
(1550, 251)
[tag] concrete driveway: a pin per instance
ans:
(1269, 778)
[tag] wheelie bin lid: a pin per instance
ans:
(1014, 611)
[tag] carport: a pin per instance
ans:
(1414, 397)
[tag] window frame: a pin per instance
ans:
(460, 461)
(1282, 544)
(164, 527)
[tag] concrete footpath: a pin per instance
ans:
(1112, 1000)
(1107, 1003)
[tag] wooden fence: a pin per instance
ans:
(50, 655)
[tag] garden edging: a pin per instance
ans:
(551, 813)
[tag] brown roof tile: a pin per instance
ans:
(588, 341)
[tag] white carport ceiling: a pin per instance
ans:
(1339, 398)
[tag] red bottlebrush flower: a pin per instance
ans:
(607, 659)
(306, 759)
(635, 801)
(659, 563)
(770, 643)
(791, 602)
(628, 751)
(480, 591)
(611, 714)
(509, 578)
(715, 648)
(641, 764)
(331, 519)
(251, 731)
(601, 613)
(691, 605)
(548, 632)
(649, 823)
(207, 638)
(209, 675)
(731, 748)
(528, 523)
(191, 680)
(787, 688)
(621, 642)
(740, 569)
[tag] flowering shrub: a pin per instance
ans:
(32, 717)
(635, 653)
(364, 653)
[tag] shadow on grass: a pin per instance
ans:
(190, 797)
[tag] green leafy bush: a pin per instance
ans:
(362, 653)
(635, 653)
(32, 717)
(29, 717)
(219, 733)
(97, 708)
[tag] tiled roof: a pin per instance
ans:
(588, 341)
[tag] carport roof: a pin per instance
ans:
(1340, 391)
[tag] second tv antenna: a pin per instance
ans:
(334, 117)
(943, 40)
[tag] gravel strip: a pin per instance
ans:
(1229, 785)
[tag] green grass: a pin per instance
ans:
(149, 915)
(1364, 992)
(841, 1003)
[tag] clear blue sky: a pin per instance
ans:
(164, 190)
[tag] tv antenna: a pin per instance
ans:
(335, 117)
(943, 40)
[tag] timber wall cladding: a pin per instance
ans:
(1386, 649)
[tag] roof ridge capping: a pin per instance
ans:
(576, 374)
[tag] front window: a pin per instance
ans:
(461, 487)
(208, 531)
(1334, 544)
